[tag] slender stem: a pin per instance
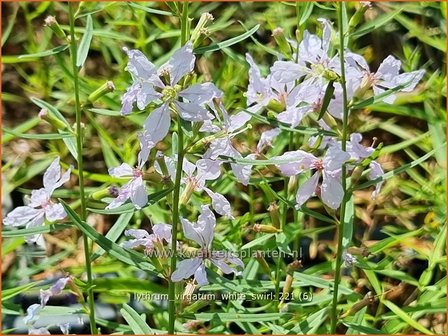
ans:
(176, 195)
(340, 230)
(79, 145)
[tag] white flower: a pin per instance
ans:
(41, 206)
(202, 233)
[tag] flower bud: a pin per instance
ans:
(280, 39)
(275, 214)
(51, 22)
(294, 266)
(200, 31)
(368, 299)
(265, 228)
(101, 91)
(276, 106)
(263, 263)
(52, 120)
(188, 191)
(356, 18)
(106, 192)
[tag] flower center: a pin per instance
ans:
(169, 93)
(318, 165)
(137, 172)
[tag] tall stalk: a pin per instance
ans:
(176, 195)
(79, 145)
(340, 230)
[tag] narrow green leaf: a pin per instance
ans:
(41, 54)
(227, 43)
(327, 98)
(406, 318)
(115, 232)
(84, 45)
(348, 223)
(128, 257)
(135, 321)
(34, 230)
(129, 207)
(11, 292)
(46, 136)
(397, 171)
(307, 9)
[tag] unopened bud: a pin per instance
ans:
(188, 292)
(101, 91)
(275, 214)
(197, 36)
(294, 266)
(357, 17)
(265, 228)
(368, 299)
(106, 192)
(44, 114)
(188, 191)
(262, 261)
(51, 22)
(276, 106)
(280, 39)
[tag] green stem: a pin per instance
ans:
(340, 230)
(176, 192)
(79, 145)
(176, 197)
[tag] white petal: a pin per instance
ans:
(138, 65)
(220, 204)
(137, 233)
(185, 269)
(238, 120)
(409, 79)
(129, 98)
(38, 331)
(293, 115)
(22, 215)
(32, 314)
(208, 169)
(146, 94)
(146, 144)
(331, 191)
(180, 63)
(375, 172)
(334, 158)
(52, 174)
(307, 189)
(122, 170)
(389, 68)
(39, 197)
(201, 93)
(157, 124)
(258, 90)
(286, 71)
(55, 212)
(123, 195)
(200, 275)
(162, 231)
(356, 149)
(267, 137)
(207, 222)
(192, 231)
(138, 193)
(298, 161)
(192, 111)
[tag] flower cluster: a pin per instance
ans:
(40, 205)
(33, 311)
(295, 90)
